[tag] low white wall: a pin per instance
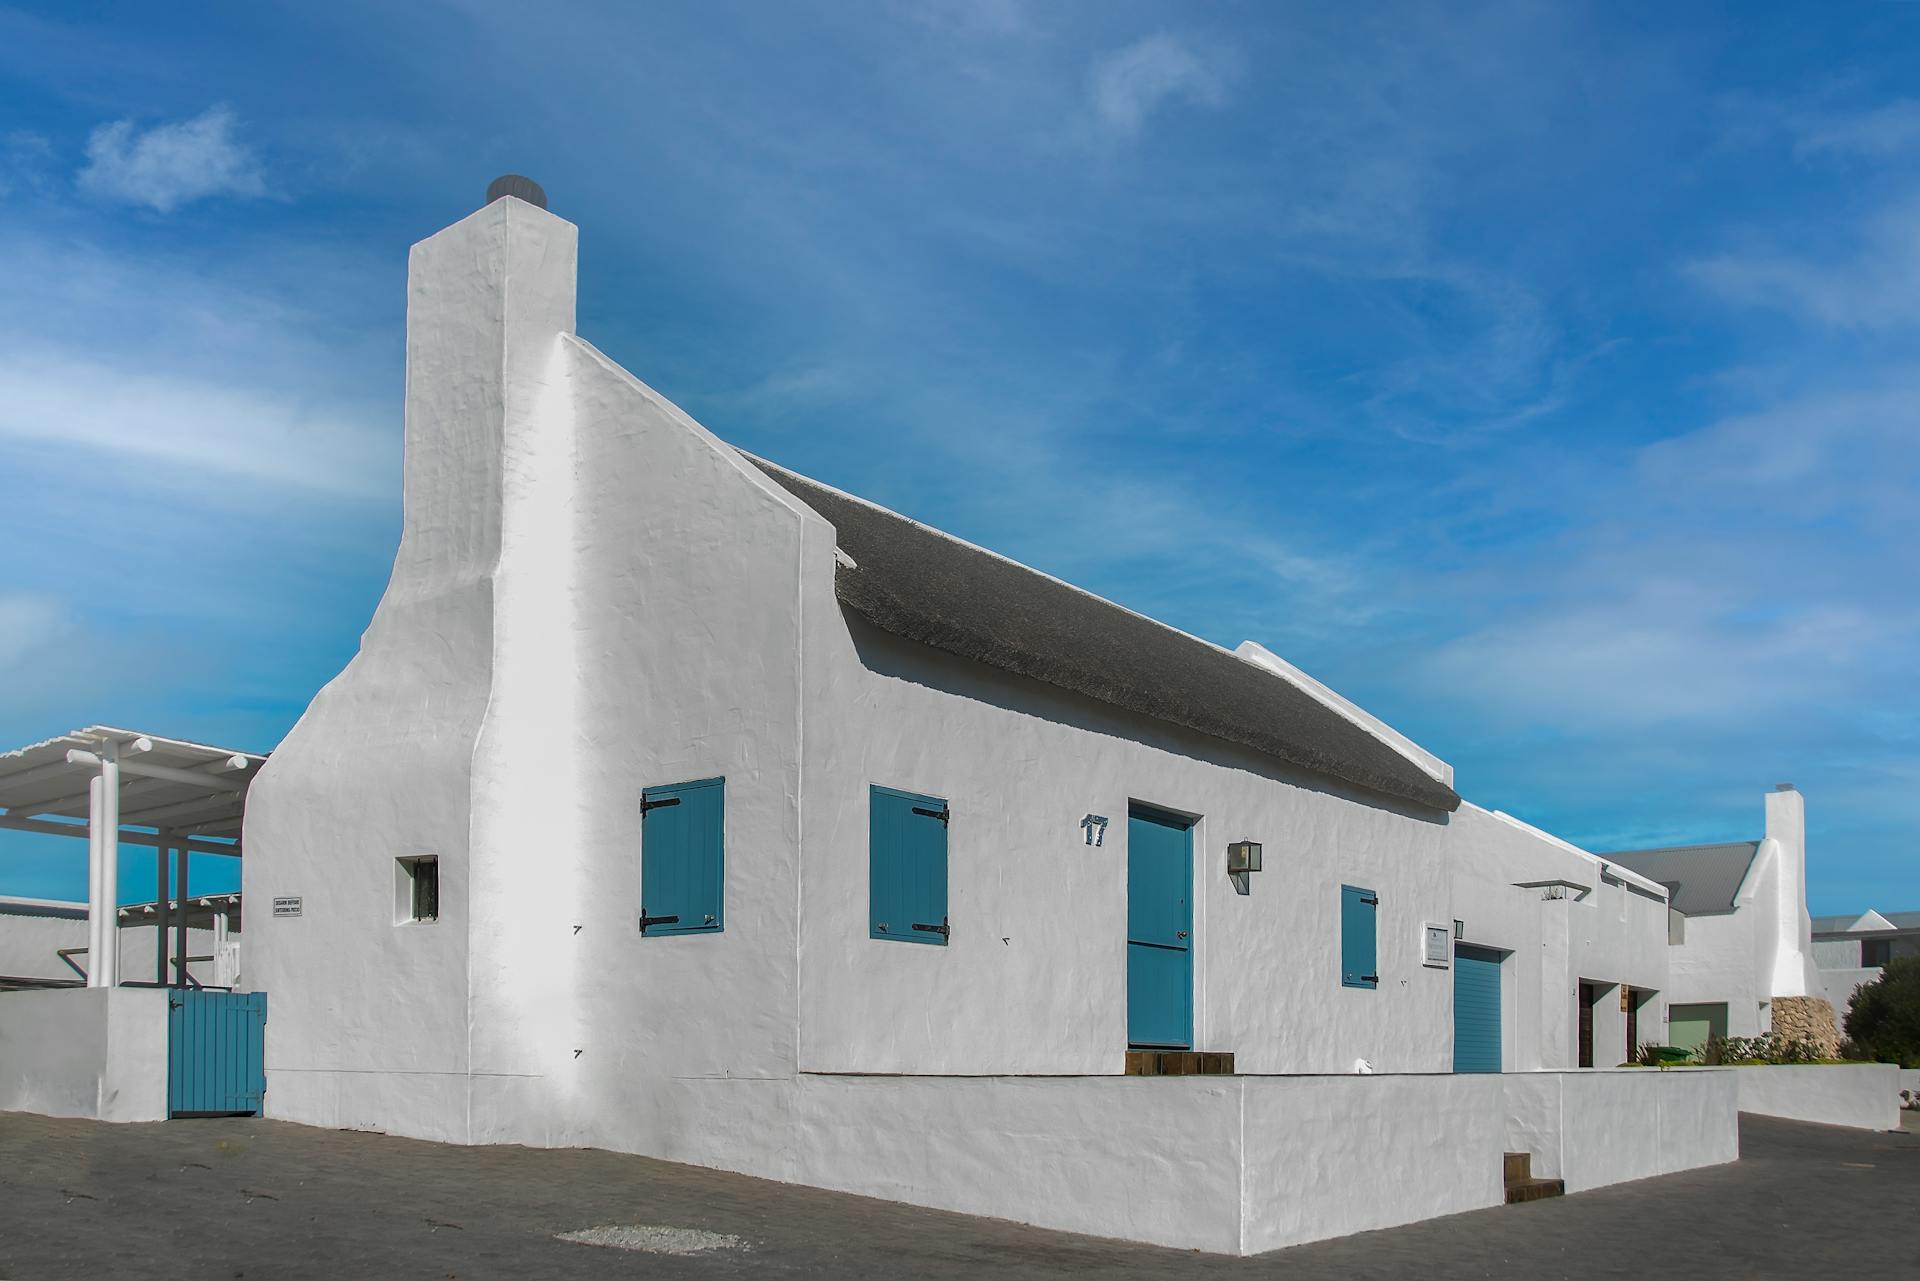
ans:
(1327, 1156)
(1865, 1096)
(1148, 1159)
(1596, 1128)
(88, 1052)
(1232, 1165)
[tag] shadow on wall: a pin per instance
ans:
(890, 656)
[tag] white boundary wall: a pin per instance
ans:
(1232, 1165)
(1865, 1096)
(1596, 1128)
(89, 1052)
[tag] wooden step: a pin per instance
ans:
(1534, 1190)
(1179, 1063)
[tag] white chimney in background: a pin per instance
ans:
(1793, 970)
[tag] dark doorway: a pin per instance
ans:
(1589, 993)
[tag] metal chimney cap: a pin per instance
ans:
(512, 184)
(1783, 787)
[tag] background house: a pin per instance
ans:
(1852, 950)
(1742, 950)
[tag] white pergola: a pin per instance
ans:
(106, 785)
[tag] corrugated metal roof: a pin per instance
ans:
(1703, 879)
(916, 582)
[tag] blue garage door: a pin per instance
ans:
(1476, 1009)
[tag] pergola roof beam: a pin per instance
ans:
(194, 777)
(79, 830)
(182, 814)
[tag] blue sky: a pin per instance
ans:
(1541, 377)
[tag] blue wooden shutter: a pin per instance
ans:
(1359, 964)
(907, 867)
(682, 871)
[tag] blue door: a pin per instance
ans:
(1476, 1009)
(216, 1052)
(1159, 931)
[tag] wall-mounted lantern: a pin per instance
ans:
(1243, 856)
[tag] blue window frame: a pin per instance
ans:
(682, 858)
(907, 867)
(1359, 956)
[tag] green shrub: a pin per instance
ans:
(1756, 1050)
(1884, 1017)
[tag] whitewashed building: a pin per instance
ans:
(676, 803)
(1742, 939)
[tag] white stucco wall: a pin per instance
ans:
(29, 944)
(1764, 946)
(1864, 1096)
(1034, 977)
(372, 1018)
(85, 1052)
(1838, 986)
(1601, 1127)
(1722, 960)
(29, 948)
(1608, 929)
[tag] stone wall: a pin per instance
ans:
(1807, 1018)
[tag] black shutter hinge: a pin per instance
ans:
(1369, 978)
(646, 920)
(646, 804)
(939, 814)
(941, 929)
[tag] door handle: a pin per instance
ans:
(1179, 934)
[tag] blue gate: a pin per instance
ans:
(216, 1052)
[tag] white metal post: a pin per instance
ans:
(96, 911)
(110, 865)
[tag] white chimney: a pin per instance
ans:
(1793, 969)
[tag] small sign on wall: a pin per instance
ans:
(287, 906)
(1438, 949)
(1093, 829)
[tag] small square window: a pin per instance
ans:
(417, 889)
(1875, 953)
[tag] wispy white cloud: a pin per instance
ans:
(29, 623)
(1876, 133)
(196, 377)
(1870, 280)
(170, 165)
(213, 434)
(1128, 85)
